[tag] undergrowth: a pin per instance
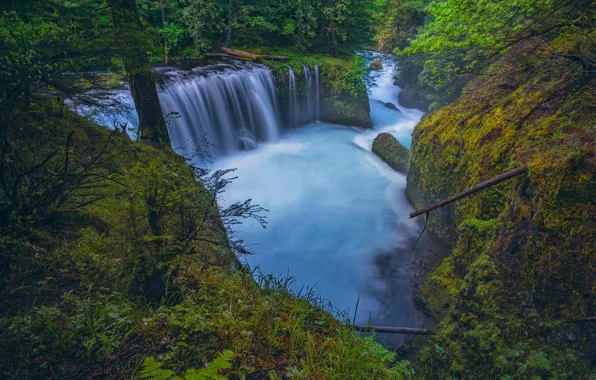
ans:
(144, 282)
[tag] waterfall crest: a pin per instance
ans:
(234, 108)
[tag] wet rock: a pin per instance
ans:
(391, 151)
(376, 65)
(391, 106)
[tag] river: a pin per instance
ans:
(338, 216)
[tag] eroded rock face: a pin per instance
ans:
(391, 151)
(522, 248)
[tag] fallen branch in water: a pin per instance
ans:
(394, 330)
(481, 186)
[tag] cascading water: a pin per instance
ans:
(309, 103)
(303, 101)
(294, 106)
(232, 107)
(317, 94)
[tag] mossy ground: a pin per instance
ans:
(93, 292)
(524, 253)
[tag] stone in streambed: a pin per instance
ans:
(391, 151)
(376, 65)
(391, 106)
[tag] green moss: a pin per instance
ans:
(344, 96)
(391, 151)
(523, 251)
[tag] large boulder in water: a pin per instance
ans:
(391, 151)
(391, 106)
(376, 65)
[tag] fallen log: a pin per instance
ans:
(394, 330)
(481, 186)
(239, 53)
(253, 56)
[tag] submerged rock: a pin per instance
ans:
(391, 151)
(391, 106)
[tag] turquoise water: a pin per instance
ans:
(336, 212)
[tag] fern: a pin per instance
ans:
(152, 369)
(223, 361)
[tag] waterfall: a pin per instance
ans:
(317, 94)
(232, 108)
(294, 106)
(309, 105)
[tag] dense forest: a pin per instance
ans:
(120, 257)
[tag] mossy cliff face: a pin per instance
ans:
(344, 97)
(524, 252)
(391, 151)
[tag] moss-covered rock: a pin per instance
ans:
(391, 151)
(524, 252)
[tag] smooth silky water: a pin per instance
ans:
(338, 216)
(336, 211)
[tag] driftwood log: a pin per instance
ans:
(394, 330)
(253, 56)
(481, 186)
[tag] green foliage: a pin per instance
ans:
(152, 369)
(440, 43)
(337, 27)
(520, 265)
(116, 287)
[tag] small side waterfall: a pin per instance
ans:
(308, 90)
(294, 106)
(302, 104)
(317, 93)
(232, 108)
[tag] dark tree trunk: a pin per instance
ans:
(230, 18)
(152, 125)
(165, 36)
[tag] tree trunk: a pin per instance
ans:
(165, 37)
(229, 28)
(127, 22)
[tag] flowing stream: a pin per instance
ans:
(338, 218)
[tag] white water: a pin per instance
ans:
(232, 106)
(335, 208)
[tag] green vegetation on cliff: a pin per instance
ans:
(134, 265)
(344, 96)
(523, 259)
